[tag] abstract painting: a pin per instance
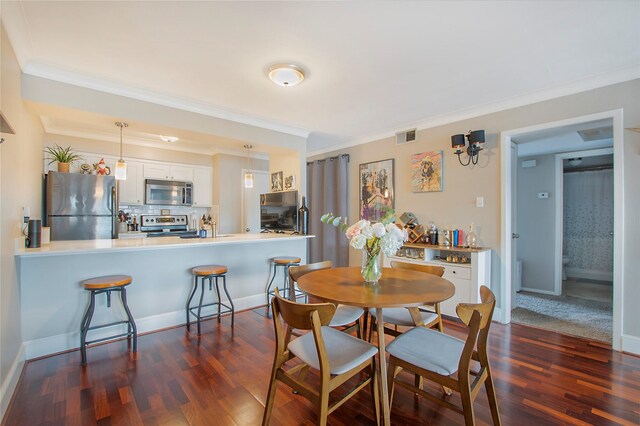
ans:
(376, 189)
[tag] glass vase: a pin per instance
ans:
(371, 270)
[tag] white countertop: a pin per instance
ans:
(56, 248)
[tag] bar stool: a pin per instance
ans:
(106, 284)
(209, 272)
(284, 262)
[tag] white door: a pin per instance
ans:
(514, 223)
(251, 200)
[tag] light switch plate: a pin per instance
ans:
(479, 201)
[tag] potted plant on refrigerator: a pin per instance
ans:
(64, 157)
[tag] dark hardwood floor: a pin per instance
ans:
(222, 379)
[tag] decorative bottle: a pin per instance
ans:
(472, 239)
(303, 218)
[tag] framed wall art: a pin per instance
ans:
(426, 172)
(276, 181)
(376, 189)
(289, 183)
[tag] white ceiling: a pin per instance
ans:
(373, 68)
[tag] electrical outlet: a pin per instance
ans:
(479, 201)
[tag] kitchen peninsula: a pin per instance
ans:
(53, 301)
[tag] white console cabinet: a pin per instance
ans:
(466, 277)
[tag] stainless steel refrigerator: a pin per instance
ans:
(81, 207)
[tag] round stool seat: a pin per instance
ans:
(285, 260)
(109, 281)
(209, 270)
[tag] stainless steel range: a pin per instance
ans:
(166, 226)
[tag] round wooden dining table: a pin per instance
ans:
(397, 288)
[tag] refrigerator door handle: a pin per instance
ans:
(114, 224)
(184, 195)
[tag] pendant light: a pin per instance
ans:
(121, 166)
(248, 176)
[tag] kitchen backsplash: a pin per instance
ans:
(191, 212)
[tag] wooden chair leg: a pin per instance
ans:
(375, 391)
(467, 406)
(392, 372)
(491, 396)
(417, 382)
(371, 329)
(323, 409)
(359, 328)
(440, 322)
(271, 396)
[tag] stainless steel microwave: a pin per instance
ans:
(167, 192)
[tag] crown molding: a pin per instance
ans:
(38, 69)
(14, 21)
(584, 85)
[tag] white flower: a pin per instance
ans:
(367, 231)
(352, 231)
(378, 230)
(389, 244)
(358, 241)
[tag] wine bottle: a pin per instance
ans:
(303, 218)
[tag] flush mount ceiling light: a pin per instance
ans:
(121, 166)
(286, 75)
(575, 161)
(168, 138)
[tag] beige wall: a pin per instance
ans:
(21, 157)
(456, 204)
(537, 223)
(227, 189)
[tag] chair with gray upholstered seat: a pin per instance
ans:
(346, 316)
(336, 355)
(446, 360)
(431, 315)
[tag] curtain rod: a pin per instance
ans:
(589, 169)
(330, 158)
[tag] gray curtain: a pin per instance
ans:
(328, 190)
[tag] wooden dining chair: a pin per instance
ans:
(430, 315)
(438, 357)
(347, 317)
(336, 355)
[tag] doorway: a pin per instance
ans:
(520, 136)
(251, 200)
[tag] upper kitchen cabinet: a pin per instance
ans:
(132, 189)
(202, 187)
(168, 172)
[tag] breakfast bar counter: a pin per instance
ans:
(53, 301)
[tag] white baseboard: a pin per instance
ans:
(63, 342)
(10, 381)
(497, 315)
(631, 344)
(535, 290)
(589, 274)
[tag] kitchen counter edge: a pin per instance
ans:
(57, 248)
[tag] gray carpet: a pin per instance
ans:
(569, 315)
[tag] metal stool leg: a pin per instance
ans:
(85, 327)
(200, 304)
(219, 303)
(275, 270)
(233, 309)
(132, 323)
(193, 292)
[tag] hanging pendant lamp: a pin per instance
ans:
(121, 166)
(248, 176)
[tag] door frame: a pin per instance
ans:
(506, 171)
(557, 288)
(242, 172)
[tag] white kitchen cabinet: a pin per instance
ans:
(202, 187)
(131, 190)
(466, 277)
(168, 172)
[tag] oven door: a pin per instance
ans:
(166, 193)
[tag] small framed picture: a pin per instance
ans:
(276, 181)
(289, 183)
(426, 172)
(376, 189)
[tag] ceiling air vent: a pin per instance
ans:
(406, 136)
